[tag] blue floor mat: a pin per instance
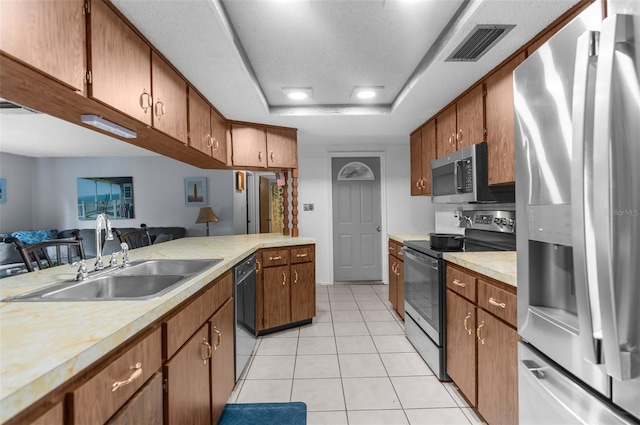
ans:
(294, 413)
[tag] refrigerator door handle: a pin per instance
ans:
(582, 195)
(617, 181)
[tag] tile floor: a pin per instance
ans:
(352, 365)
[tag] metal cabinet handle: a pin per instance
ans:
(459, 139)
(260, 156)
(272, 156)
(209, 141)
(295, 280)
(137, 372)
(217, 145)
(277, 257)
(219, 335)
(209, 352)
(258, 266)
(284, 278)
(145, 104)
(159, 109)
(424, 182)
(452, 140)
(418, 184)
(478, 332)
(467, 317)
(301, 255)
(492, 301)
(458, 283)
(392, 249)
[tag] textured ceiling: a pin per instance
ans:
(239, 54)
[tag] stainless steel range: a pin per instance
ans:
(425, 281)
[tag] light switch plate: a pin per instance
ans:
(307, 207)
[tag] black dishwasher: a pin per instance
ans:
(244, 286)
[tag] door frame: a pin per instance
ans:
(383, 202)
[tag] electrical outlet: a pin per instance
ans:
(307, 207)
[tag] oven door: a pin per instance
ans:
(423, 277)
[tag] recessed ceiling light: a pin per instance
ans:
(297, 93)
(365, 93)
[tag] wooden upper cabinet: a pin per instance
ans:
(48, 35)
(120, 64)
(415, 141)
(170, 100)
(428, 154)
(500, 124)
(470, 118)
(282, 148)
(249, 146)
(219, 131)
(447, 129)
(199, 123)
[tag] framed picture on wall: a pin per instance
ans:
(195, 191)
(112, 196)
(239, 180)
(3, 191)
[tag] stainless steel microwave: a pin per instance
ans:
(462, 177)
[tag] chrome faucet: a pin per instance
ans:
(101, 220)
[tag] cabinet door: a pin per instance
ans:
(249, 146)
(400, 288)
(497, 380)
(428, 154)
(259, 293)
(393, 282)
(461, 344)
(500, 125)
(416, 163)
(120, 64)
(187, 399)
(446, 132)
(53, 416)
(282, 148)
(219, 142)
(48, 35)
(170, 100)
(223, 377)
(470, 118)
(276, 296)
(145, 407)
(303, 291)
(199, 123)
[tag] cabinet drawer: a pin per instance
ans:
(393, 248)
(461, 283)
(95, 401)
(303, 254)
(179, 328)
(497, 301)
(275, 257)
(399, 254)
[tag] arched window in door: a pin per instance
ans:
(355, 171)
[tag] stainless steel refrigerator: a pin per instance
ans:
(577, 101)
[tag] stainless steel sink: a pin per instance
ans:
(142, 280)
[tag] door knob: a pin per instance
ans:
(378, 228)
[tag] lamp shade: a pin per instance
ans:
(206, 215)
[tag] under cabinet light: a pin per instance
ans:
(105, 125)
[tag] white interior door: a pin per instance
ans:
(356, 219)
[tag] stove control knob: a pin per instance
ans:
(504, 221)
(511, 222)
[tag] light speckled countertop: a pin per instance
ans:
(499, 265)
(403, 237)
(46, 343)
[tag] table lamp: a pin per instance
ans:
(205, 216)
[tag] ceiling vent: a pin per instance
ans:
(9, 108)
(478, 42)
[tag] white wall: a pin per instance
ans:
(239, 208)
(404, 213)
(17, 212)
(158, 190)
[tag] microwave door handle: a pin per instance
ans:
(457, 175)
(616, 154)
(582, 195)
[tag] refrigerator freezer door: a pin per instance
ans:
(617, 183)
(548, 396)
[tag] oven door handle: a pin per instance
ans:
(415, 256)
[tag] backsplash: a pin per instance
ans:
(447, 214)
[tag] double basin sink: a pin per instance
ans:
(141, 280)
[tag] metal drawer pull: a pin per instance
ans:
(301, 255)
(215, 347)
(496, 303)
(296, 278)
(468, 316)
(284, 279)
(478, 332)
(458, 283)
(207, 356)
(137, 372)
(277, 257)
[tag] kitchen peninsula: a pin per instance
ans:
(46, 344)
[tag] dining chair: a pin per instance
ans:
(49, 253)
(135, 238)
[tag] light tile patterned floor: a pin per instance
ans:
(351, 366)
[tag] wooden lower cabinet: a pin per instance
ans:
(145, 407)
(303, 294)
(277, 296)
(223, 376)
(187, 399)
(393, 282)
(497, 370)
(461, 344)
(396, 277)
